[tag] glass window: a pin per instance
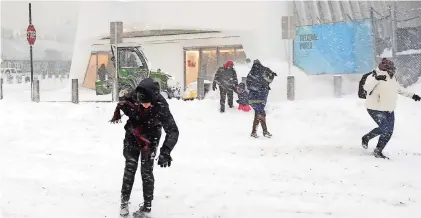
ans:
(209, 64)
(91, 73)
(192, 67)
(129, 59)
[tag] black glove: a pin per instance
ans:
(381, 77)
(214, 87)
(416, 98)
(164, 159)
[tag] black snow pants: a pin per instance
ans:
(132, 153)
(226, 92)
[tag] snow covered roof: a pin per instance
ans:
(18, 49)
(162, 32)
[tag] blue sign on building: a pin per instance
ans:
(339, 48)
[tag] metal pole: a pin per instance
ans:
(373, 32)
(115, 94)
(1, 88)
(291, 88)
(36, 91)
(392, 8)
(30, 55)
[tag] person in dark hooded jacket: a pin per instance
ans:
(243, 98)
(148, 113)
(226, 78)
(258, 81)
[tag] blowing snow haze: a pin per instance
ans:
(57, 20)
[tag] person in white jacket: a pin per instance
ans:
(382, 93)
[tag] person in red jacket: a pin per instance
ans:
(226, 78)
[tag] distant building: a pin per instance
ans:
(48, 56)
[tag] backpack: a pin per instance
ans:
(361, 92)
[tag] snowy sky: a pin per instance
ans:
(46, 16)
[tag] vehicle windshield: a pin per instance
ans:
(129, 59)
(139, 48)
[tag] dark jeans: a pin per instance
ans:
(226, 92)
(132, 153)
(386, 122)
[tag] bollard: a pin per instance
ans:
(1, 88)
(291, 88)
(35, 88)
(75, 91)
(337, 85)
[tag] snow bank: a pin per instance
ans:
(409, 52)
(59, 157)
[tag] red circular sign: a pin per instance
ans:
(31, 34)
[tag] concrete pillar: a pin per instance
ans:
(75, 91)
(36, 96)
(291, 88)
(1, 88)
(116, 37)
(337, 85)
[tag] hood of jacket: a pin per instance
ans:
(149, 87)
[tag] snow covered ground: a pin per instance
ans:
(65, 160)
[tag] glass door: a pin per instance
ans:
(191, 67)
(208, 67)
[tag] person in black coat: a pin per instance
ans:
(226, 78)
(148, 113)
(258, 81)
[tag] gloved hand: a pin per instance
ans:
(214, 87)
(380, 77)
(416, 97)
(164, 159)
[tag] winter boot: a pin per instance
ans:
(364, 142)
(124, 209)
(266, 133)
(254, 128)
(378, 154)
(145, 208)
(222, 110)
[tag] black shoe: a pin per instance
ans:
(378, 154)
(145, 208)
(267, 134)
(254, 135)
(124, 209)
(364, 142)
(222, 110)
(231, 106)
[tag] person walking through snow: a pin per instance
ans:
(226, 78)
(258, 81)
(148, 113)
(382, 92)
(243, 98)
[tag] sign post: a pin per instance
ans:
(288, 35)
(31, 36)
